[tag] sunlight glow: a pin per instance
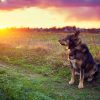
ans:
(3, 0)
(36, 18)
(3, 33)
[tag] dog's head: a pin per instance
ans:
(71, 41)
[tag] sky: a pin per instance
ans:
(49, 13)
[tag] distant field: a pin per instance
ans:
(34, 66)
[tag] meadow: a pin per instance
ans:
(34, 66)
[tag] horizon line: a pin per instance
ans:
(47, 27)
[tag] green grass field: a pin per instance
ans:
(34, 66)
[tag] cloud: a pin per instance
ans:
(15, 4)
(78, 13)
(84, 13)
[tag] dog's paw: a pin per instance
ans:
(71, 82)
(80, 86)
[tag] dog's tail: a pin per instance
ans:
(97, 69)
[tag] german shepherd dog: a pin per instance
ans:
(81, 60)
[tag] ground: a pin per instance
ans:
(34, 66)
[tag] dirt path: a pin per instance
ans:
(3, 65)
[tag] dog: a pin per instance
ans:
(81, 60)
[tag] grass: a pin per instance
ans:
(37, 69)
(19, 85)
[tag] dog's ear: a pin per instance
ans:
(77, 33)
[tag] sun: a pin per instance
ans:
(2, 0)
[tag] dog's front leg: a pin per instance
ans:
(81, 79)
(72, 76)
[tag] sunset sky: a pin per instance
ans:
(49, 13)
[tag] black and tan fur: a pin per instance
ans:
(82, 62)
